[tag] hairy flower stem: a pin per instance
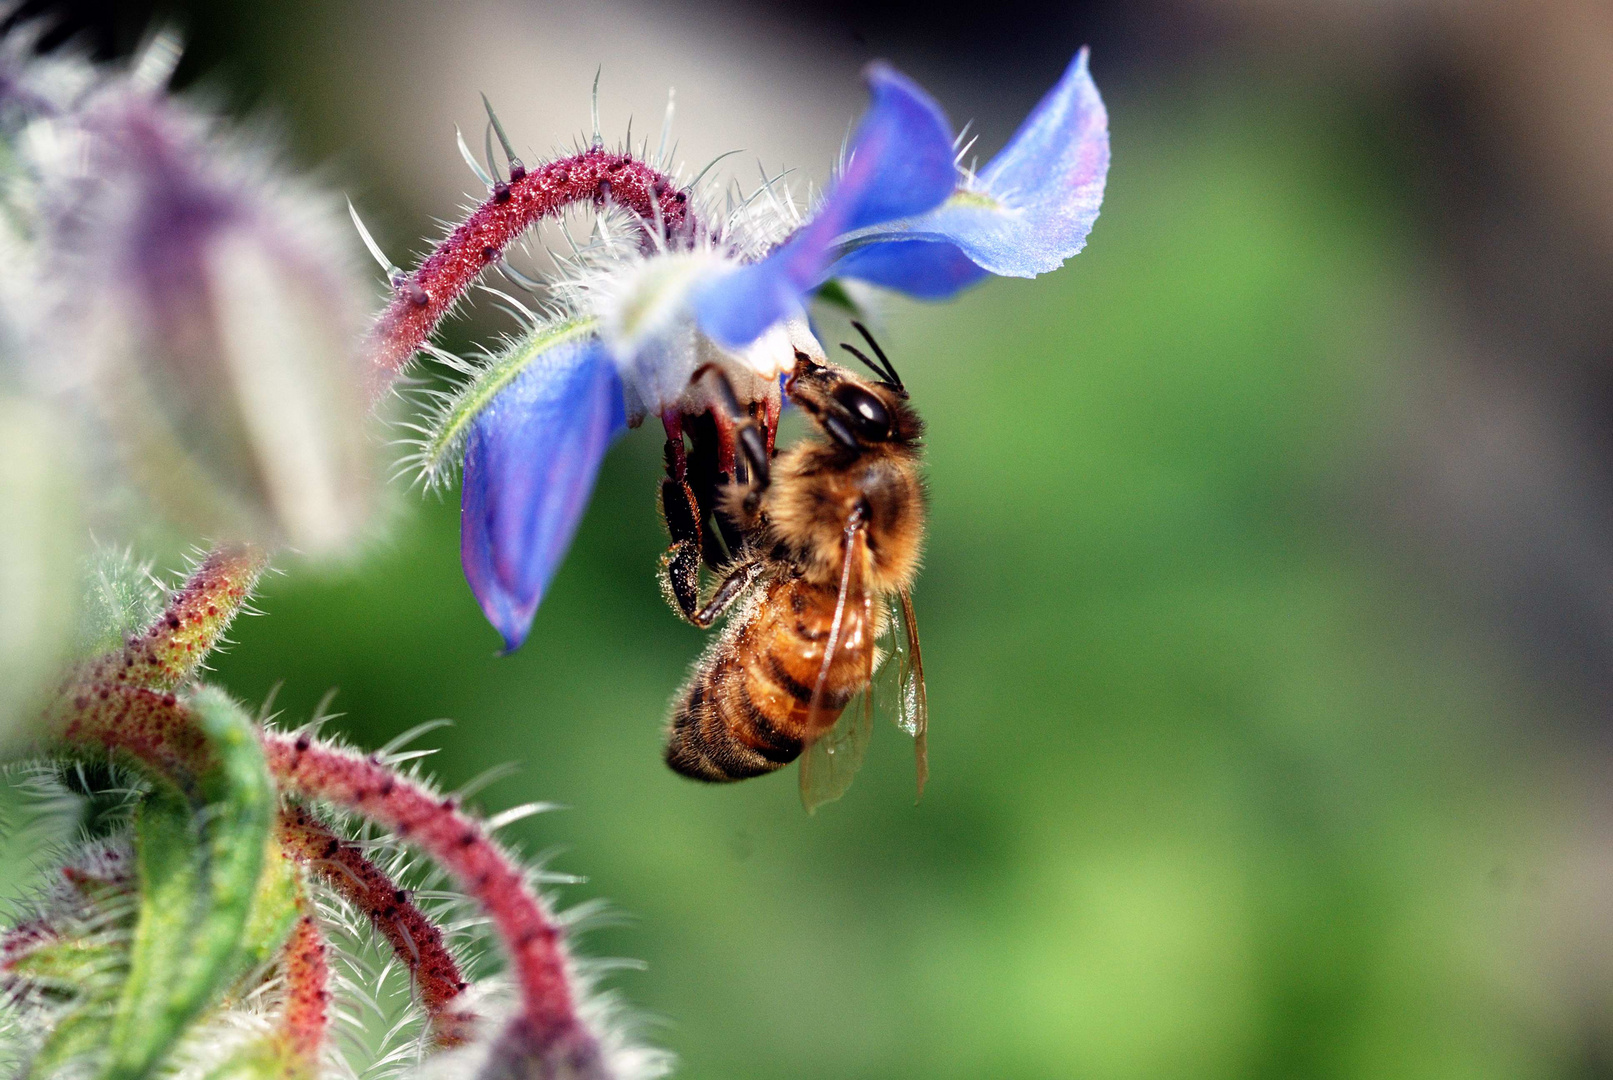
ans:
(415, 939)
(171, 650)
(156, 729)
(124, 700)
(549, 1026)
(596, 176)
(306, 1022)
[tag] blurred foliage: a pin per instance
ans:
(38, 546)
(1217, 791)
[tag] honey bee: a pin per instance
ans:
(825, 541)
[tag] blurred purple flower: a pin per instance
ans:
(206, 306)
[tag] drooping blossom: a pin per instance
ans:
(633, 316)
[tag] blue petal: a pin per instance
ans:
(530, 463)
(902, 160)
(901, 164)
(927, 269)
(1028, 210)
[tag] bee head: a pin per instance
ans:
(856, 413)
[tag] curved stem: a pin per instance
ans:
(306, 1022)
(415, 939)
(154, 728)
(170, 651)
(420, 300)
(549, 1025)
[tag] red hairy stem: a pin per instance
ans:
(152, 726)
(596, 176)
(549, 1025)
(306, 1021)
(124, 700)
(415, 939)
(170, 650)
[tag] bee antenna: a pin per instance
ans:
(890, 369)
(884, 376)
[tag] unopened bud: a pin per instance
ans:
(209, 309)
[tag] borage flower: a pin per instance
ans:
(636, 313)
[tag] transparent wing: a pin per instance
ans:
(898, 687)
(830, 761)
(914, 714)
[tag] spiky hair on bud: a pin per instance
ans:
(286, 906)
(557, 1027)
(166, 648)
(65, 952)
(67, 939)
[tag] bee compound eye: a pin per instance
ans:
(865, 412)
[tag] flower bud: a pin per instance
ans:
(208, 311)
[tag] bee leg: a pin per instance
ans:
(707, 478)
(677, 458)
(732, 588)
(738, 424)
(680, 565)
(680, 569)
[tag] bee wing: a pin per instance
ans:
(830, 761)
(900, 682)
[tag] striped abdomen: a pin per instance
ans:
(748, 708)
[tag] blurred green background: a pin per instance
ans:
(1246, 759)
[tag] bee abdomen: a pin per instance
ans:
(748, 709)
(719, 733)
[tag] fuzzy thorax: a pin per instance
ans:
(813, 494)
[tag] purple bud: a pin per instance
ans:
(207, 307)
